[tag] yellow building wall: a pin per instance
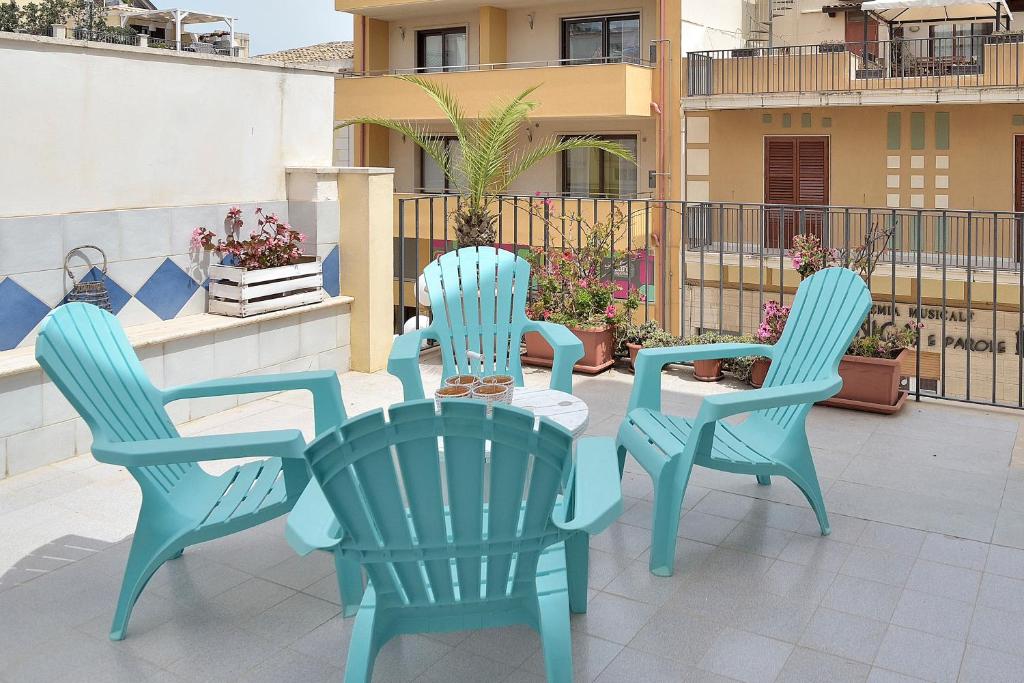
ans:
(725, 154)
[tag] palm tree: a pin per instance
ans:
(490, 160)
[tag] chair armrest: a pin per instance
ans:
(286, 443)
(649, 363)
(596, 493)
(328, 408)
(404, 361)
(568, 349)
(717, 407)
(311, 523)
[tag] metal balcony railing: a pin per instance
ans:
(954, 62)
(711, 266)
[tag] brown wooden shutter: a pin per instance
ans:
(795, 173)
(812, 170)
(779, 171)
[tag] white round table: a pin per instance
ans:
(564, 409)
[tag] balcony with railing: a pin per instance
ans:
(572, 88)
(979, 61)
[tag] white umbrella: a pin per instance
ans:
(904, 11)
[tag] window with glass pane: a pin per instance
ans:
(432, 178)
(441, 49)
(601, 39)
(594, 173)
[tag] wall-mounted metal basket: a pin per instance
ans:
(88, 291)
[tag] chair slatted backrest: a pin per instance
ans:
(85, 352)
(829, 308)
(478, 300)
(435, 529)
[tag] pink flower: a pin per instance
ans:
(610, 311)
(547, 314)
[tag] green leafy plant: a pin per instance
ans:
(738, 367)
(9, 16)
(490, 159)
(887, 345)
(661, 339)
(634, 333)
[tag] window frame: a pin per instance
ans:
(602, 182)
(605, 37)
(423, 158)
(422, 35)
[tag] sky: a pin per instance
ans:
(276, 24)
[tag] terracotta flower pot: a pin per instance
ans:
(633, 350)
(870, 384)
(707, 370)
(759, 371)
(598, 349)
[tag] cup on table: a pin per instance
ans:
(491, 394)
(450, 391)
(506, 381)
(468, 381)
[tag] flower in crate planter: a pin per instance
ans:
(266, 272)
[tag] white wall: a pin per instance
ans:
(90, 127)
(712, 24)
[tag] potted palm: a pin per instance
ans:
(490, 159)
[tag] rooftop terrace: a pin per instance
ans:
(923, 574)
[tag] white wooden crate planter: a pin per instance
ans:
(240, 292)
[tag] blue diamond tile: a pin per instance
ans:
(20, 312)
(332, 269)
(167, 290)
(118, 296)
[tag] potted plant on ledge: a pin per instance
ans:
(266, 272)
(871, 371)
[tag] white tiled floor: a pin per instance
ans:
(923, 575)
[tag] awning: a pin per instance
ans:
(914, 11)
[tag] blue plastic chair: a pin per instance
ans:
(86, 354)
(478, 304)
(828, 309)
(450, 542)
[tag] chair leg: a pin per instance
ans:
(764, 479)
(363, 646)
(577, 565)
(622, 460)
(350, 583)
(555, 636)
(806, 479)
(668, 504)
(144, 558)
(177, 555)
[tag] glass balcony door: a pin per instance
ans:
(594, 173)
(441, 50)
(596, 40)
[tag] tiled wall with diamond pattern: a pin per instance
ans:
(151, 274)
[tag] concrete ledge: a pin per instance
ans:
(158, 53)
(23, 359)
(38, 426)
